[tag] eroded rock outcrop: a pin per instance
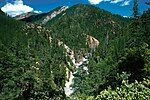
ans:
(92, 42)
(54, 14)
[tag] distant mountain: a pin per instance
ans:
(45, 17)
(73, 25)
(25, 15)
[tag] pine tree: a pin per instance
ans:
(135, 9)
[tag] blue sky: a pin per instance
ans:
(121, 7)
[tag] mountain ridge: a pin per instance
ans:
(80, 20)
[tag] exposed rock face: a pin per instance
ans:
(92, 42)
(25, 15)
(72, 69)
(54, 14)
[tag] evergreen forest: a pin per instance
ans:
(39, 54)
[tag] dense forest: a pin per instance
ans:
(34, 61)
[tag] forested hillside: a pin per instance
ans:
(32, 64)
(117, 65)
(39, 54)
(81, 20)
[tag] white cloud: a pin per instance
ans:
(95, 1)
(16, 8)
(99, 1)
(125, 16)
(37, 11)
(116, 1)
(126, 3)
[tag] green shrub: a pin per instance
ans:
(133, 91)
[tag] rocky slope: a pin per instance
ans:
(26, 15)
(43, 18)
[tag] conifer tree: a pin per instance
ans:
(147, 2)
(135, 9)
